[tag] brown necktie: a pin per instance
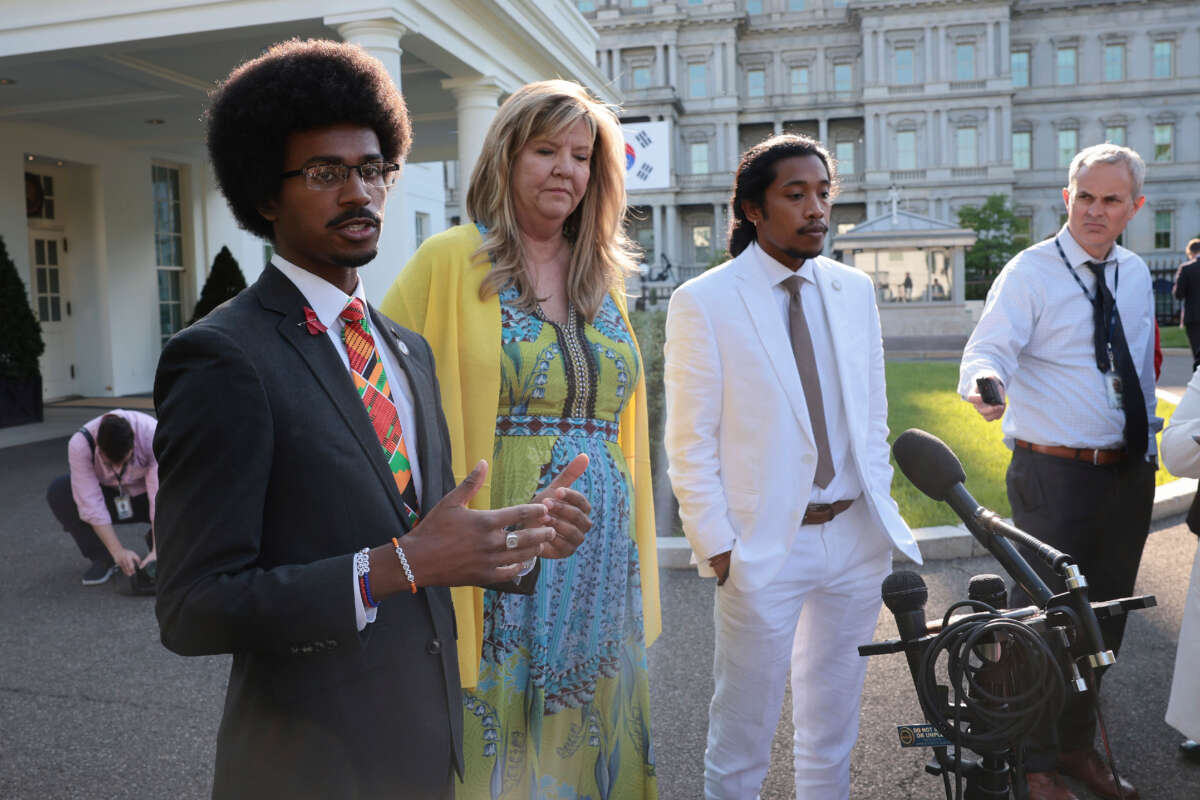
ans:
(806, 363)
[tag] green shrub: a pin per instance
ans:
(20, 331)
(649, 328)
(225, 280)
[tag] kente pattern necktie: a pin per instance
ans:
(810, 379)
(372, 384)
(1137, 430)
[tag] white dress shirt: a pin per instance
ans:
(845, 484)
(1036, 336)
(327, 302)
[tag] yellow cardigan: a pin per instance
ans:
(437, 295)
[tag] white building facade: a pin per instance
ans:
(948, 100)
(107, 204)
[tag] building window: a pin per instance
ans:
(756, 83)
(964, 62)
(840, 3)
(641, 77)
(1065, 61)
(39, 196)
(168, 249)
(1022, 150)
(795, 5)
(904, 65)
(586, 6)
(1163, 134)
(1019, 67)
(966, 141)
(695, 2)
(699, 153)
(640, 4)
(1068, 146)
(754, 6)
(421, 227)
(1114, 62)
(1115, 134)
(1164, 59)
(702, 243)
(645, 240)
(697, 80)
(844, 153)
(1022, 228)
(1163, 220)
(47, 289)
(906, 150)
(843, 78)
(799, 80)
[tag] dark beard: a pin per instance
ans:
(355, 261)
(804, 254)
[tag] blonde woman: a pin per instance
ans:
(537, 363)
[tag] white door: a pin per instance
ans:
(52, 304)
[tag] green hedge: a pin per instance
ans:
(648, 327)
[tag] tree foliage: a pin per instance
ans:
(1001, 235)
(224, 282)
(20, 332)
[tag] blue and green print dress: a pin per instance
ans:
(562, 708)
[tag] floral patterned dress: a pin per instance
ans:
(562, 708)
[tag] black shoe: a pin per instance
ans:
(1190, 750)
(99, 572)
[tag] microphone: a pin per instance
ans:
(936, 471)
(905, 595)
(988, 589)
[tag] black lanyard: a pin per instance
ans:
(1098, 298)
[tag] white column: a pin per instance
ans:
(823, 132)
(660, 75)
(735, 148)
(880, 55)
(719, 69)
(718, 234)
(476, 100)
(381, 38)
(1006, 134)
(928, 76)
(935, 52)
(656, 217)
(1005, 48)
(869, 66)
(778, 124)
(670, 51)
(670, 247)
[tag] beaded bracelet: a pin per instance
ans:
(362, 568)
(408, 573)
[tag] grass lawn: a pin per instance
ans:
(922, 395)
(1173, 336)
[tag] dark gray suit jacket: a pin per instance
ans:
(1187, 289)
(271, 476)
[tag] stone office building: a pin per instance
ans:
(948, 100)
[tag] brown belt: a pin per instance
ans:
(1098, 457)
(820, 513)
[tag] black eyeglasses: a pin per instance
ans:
(322, 177)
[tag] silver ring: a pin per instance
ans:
(510, 541)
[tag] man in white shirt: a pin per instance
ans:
(1073, 360)
(777, 439)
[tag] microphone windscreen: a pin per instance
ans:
(988, 589)
(928, 462)
(904, 591)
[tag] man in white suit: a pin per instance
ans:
(776, 434)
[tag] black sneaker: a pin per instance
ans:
(99, 572)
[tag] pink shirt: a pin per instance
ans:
(89, 473)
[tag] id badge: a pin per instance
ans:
(1112, 386)
(124, 506)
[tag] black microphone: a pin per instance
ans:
(936, 471)
(905, 595)
(988, 589)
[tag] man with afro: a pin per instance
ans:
(308, 518)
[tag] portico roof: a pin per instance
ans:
(903, 230)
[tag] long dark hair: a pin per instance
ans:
(755, 173)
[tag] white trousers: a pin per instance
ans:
(1183, 709)
(823, 604)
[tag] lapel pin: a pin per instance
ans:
(400, 345)
(311, 321)
(837, 285)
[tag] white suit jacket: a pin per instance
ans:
(738, 436)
